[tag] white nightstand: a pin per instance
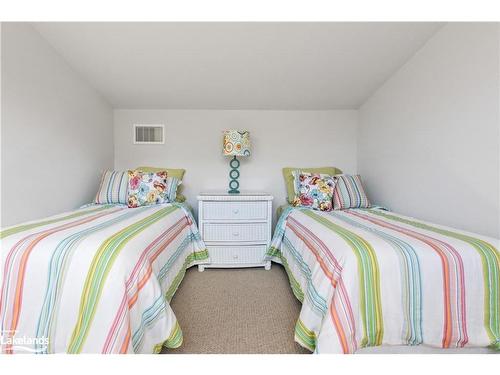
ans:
(236, 229)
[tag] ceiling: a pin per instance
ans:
(236, 65)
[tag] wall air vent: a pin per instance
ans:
(149, 134)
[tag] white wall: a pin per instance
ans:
(429, 137)
(426, 143)
(57, 132)
(279, 139)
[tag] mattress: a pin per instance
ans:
(369, 277)
(97, 280)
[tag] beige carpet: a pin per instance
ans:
(237, 311)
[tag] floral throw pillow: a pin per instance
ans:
(150, 188)
(315, 191)
(296, 179)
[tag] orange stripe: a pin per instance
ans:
(140, 285)
(446, 270)
(338, 327)
(147, 276)
(316, 254)
(24, 261)
(336, 284)
(333, 312)
(126, 341)
(133, 299)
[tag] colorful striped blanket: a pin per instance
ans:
(368, 277)
(98, 279)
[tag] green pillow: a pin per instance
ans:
(180, 197)
(287, 174)
(179, 173)
(172, 172)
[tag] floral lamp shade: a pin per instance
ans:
(236, 143)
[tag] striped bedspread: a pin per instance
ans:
(98, 279)
(368, 277)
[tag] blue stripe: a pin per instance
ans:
(148, 317)
(410, 275)
(120, 198)
(58, 265)
(318, 303)
(109, 193)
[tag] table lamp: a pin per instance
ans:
(236, 143)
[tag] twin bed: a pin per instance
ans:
(99, 279)
(368, 277)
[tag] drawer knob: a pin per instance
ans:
(236, 211)
(235, 234)
(235, 256)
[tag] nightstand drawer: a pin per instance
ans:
(235, 210)
(249, 232)
(237, 255)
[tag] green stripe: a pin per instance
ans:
(153, 312)
(174, 340)
(490, 259)
(296, 289)
(98, 272)
(196, 256)
(318, 303)
(369, 278)
(305, 336)
(273, 252)
(410, 274)
(21, 228)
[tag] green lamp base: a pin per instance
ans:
(234, 174)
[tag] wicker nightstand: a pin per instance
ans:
(236, 228)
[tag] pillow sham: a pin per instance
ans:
(150, 188)
(297, 179)
(349, 193)
(289, 183)
(113, 188)
(315, 191)
(172, 172)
